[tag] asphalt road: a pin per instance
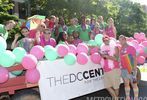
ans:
(104, 94)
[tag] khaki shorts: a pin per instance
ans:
(112, 78)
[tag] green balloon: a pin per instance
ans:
(48, 48)
(51, 54)
(3, 44)
(19, 52)
(92, 43)
(70, 59)
(7, 59)
(61, 42)
(98, 39)
(16, 73)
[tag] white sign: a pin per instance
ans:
(60, 81)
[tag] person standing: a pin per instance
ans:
(84, 30)
(103, 24)
(111, 30)
(45, 39)
(127, 75)
(26, 42)
(110, 63)
(61, 27)
(77, 40)
(62, 38)
(72, 27)
(96, 31)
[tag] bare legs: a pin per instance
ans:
(127, 89)
(114, 93)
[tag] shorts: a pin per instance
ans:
(126, 75)
(112, 78)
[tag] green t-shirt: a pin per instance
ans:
(61, 42)
(103, 25)
(84, 34)
(61, 29)
(3, 32)
(71, 29)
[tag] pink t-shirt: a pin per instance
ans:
(43, 42)
(109, 32)
(106, 50)
(108, 64)
(127, 50)
(32, 34)
(116, 63)
(97, 31)
(77, 41)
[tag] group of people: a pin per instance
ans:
(115, 67)
(54, 31)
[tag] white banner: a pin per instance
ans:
(60, 81)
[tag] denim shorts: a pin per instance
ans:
(126, 75)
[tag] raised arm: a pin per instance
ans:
(14, 43)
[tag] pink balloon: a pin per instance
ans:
(140, 50)
(142, 36)
(144, 43)
(82, 58)
(4, 75)
(32, 76)
(82, 47)
(139, 40)
(62, 50)
(53, 42)
(130, 39)
(29, 61)
(141, 60)
(94, 50)
(95, 58)
(135, 43)
(38, 52)
(72, 49)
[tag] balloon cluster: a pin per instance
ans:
(72, 54)
(19, 55)
(139, 42)
(69, 53)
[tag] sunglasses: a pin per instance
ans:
(42, 26)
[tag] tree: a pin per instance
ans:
(131, 18)
(5, 6)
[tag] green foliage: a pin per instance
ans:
(15, 30)
(5, 6)
(129, 17)
(5, 17)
